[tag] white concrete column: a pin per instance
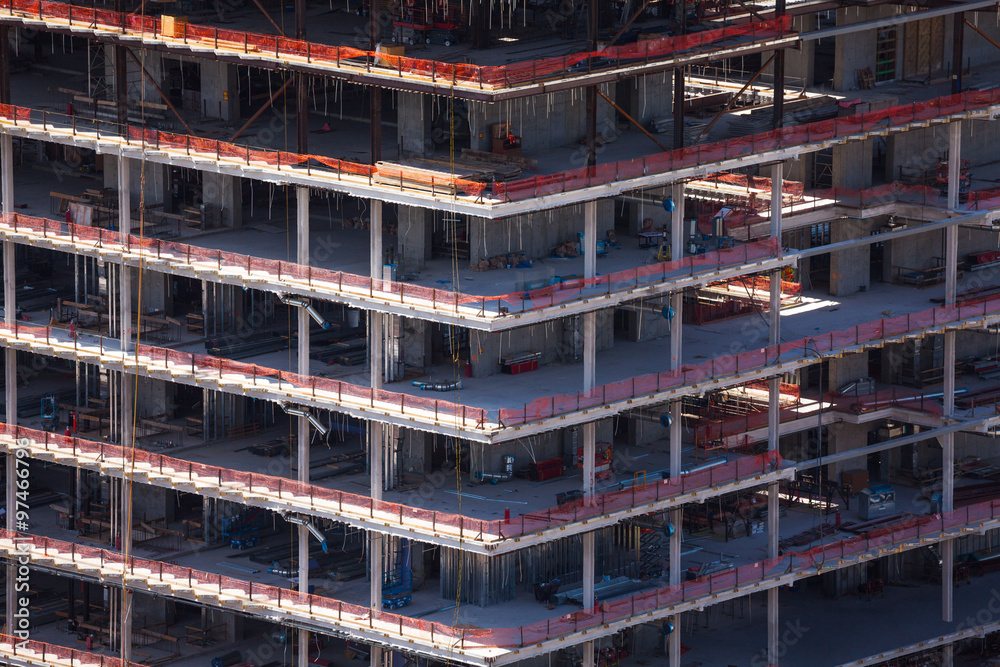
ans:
(127, 396)
(10, 355)
(302, 257)
(676, 349)
(376, 463)
(774, 415)
(948, 440)
(589, 429)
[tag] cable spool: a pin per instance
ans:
(667, 628)
(667, 313)
(668, 205)
(666, 420)
(668, 530)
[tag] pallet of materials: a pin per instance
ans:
(512, 364)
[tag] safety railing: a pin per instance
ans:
(745, 147)
(393, 177)
(260, 271)
(351, 59)
(31, 652)
(339, 395)
(313, 499)
(293, 605)
(896, 397)
(734, 365)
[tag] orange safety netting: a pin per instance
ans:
(787, 137)
(734, 364)
(789, 189)
(437, 299)
(657, 601)
(428, 521)
(503, 76)
(709, 431)
(540, 185)
(337, 393)
(32, 650)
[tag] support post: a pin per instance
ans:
(778, 107)
(9, 354)
(948, 440)
(773, 414)
(957, 52)
(590, 428)
(676, 433)
(301, 88)
(302, 257)
(127, 383)
(375, 428)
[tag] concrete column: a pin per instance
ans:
(226, 193)
(127, 400)
(10, 355)
(774, 417)
(414, 124)
(676, 341)
(375, 545)
(219, 90)
(414, 239)
(948, 441)
(302, 257)
(590, 428)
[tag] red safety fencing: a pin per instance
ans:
(656, 601)
(706, 432)
(735, 364)
(339, 282)
(32, 651)
(787, 137)
(792, 190)
(336, 393)
(641, 492)
(341, 57)
(546, 184)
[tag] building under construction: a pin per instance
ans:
(270, 270)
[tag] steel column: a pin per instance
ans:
(676, 433)
(10, 354)
(375, 428)
(302, 257)
(773, 406)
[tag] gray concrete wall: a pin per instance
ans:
(856, 50)
(849, 269)
(416, 343)
(846, 368)
(219, 90)
(922, 148)
(649, 97)
(542, 122)
(414, 113)
(414, 240)
(799, 63)
(536, 233)
(548, 338)
(225, 192)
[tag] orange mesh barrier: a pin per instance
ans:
(495, 77)
(320, 498)
(545, 184)
(32, 650)
(436, 299)
(657, 601)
